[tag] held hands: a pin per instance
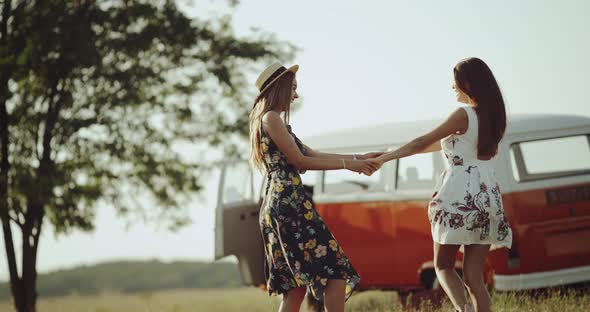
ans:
(376, 162)
(372, 163)
(365, 163)
(362, 166)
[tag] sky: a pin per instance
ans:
(364, 63)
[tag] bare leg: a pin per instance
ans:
(444, 265)
(292, 300)
(334, 295)
(473, 265)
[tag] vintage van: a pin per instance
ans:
(381, 221)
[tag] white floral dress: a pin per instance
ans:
(466, 207)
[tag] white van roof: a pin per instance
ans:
(392, 134)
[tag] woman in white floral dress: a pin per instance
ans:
(466, 207)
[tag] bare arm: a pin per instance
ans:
(313, 153)
(432, 148)
(276, 129)
(456, 122)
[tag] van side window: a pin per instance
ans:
(310, 177)
(420, 171)
(258, 183)
(548, 158)
(345, 181)
(237, 184)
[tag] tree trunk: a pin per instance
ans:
(29, 272)
(30, 263)
(16, 285)
(15, 281)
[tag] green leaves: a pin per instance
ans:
(102, 94)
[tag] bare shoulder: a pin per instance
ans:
(459, 120)
(272, 119)
(271, 116)
(458, 114)
(456, 123)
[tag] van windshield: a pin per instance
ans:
(420, 171)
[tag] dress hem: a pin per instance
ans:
(355, 280)
(493, 245)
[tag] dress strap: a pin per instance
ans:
(472, 127)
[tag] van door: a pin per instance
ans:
(236, 220)
(549, 211)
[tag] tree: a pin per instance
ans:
(95, 99)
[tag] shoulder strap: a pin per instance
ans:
(472, 121)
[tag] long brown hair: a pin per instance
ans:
(475, 78)
(276, 96)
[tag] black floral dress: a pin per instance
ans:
(466, 207)
(299, 248)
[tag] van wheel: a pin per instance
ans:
(429, 280)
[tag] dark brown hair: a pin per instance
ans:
(277, 96)
(476, 80)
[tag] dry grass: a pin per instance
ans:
(251, 299)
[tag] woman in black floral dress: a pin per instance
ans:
(301, 253)
(466, 207)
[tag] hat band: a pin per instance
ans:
(272, 77)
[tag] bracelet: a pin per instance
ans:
(343, 164)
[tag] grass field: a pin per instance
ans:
(252, 299)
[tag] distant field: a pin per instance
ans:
(252, 299)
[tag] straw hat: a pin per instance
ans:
(271, 74)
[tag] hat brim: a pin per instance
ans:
(292, 69)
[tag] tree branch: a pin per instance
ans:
(6, 10)
(16, 221)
